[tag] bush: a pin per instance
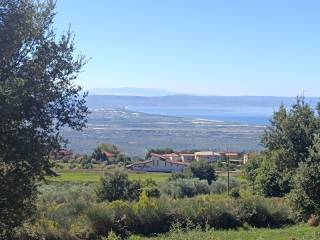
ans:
(181, 188)
(202, 170)
(235, 193)
(305, 197)
(75, 215)
(125, 220)
(101, 219)
(117, 186)
(177, 175)
(221, 185)
(270, 181)
(261, 212)
(151, 188)
(153, 215)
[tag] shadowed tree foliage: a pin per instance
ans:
(202, 170)
(37, 98)
(305, 197)
(291, 133)
(287, 140)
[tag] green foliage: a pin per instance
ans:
(221, 185)
(285, 233)
(101, 219)
(270, 181)
(122, 160)
(305, 197)
(251, 168)
(151, 188)
(86, 162)
(70, 212)
(178, 175)
(261, 212)
(287, 141)
(117, 186)
(37, 98)
(181, 188)
(99, 152)
(152, 215)
(291, 133)
(202, 170)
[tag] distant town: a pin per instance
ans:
(154, 161)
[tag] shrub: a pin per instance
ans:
(177, 175)
(181, 188)
(153, 215)
(261, 212)
(101, 219)
(75, 216)
(125, 220)
(117, 186)
(202, 170)
(235, 193)
(270, 181)
(305, 197)
(221, 185)
(151, 188)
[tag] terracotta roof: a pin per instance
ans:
(108, 154)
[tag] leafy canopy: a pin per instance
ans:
(37, 98)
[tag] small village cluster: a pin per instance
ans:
(176, 162)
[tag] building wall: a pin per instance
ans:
(158, 164)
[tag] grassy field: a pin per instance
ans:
(301, 232)
(95, 175)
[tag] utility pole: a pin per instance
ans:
(228, 167)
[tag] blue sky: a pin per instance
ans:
(239, 47)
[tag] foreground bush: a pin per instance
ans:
(221, 185)
(74, 216)
(181, 188)
(117, 186)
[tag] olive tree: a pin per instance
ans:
(38, 97)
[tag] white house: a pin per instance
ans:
(187, 157)
(172, 156)
(158, 163)
(206, 156)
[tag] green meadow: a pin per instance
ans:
(298, 232)
(95, 175)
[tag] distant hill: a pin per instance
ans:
(99, 101)
(146, 92)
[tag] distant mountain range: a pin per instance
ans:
(146, 92)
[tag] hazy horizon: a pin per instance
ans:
(170, 93)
